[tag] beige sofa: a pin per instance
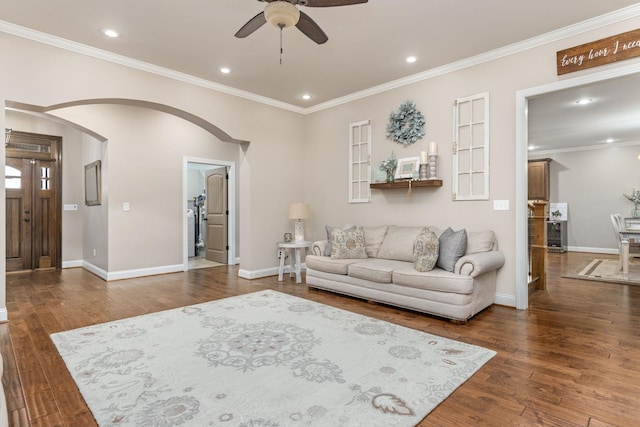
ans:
(388, 274)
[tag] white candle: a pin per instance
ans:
(423, 157)
(433, 148)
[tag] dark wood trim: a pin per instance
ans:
(407, 183)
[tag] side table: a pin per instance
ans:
(295, 264)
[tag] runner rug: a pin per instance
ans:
(263, 359)
(605, 270)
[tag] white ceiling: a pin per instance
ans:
(366, 48)
(556, 121)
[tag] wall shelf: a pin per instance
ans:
(407, 183)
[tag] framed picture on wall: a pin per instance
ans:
(406, 167)
(93, 183)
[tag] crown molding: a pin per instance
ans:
(572, 30)
(553, 36)
(82, 49)
(604, 146)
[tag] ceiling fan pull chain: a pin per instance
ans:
(281, 26)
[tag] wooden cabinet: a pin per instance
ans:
(538, 176)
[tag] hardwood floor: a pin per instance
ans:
(571, 359)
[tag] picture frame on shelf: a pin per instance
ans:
(406, 167)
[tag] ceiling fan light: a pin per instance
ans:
(281, 14)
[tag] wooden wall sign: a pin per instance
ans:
(599, 52)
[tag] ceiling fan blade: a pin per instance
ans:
(310, 29)
(254, 23)
(331, 3)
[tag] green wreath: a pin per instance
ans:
(406, 125)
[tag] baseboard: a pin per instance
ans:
(4, 314)
(257, 274)
(130, 274)
(505, 299)
(593, 250)
(266, 272)
(95, 270)
(72, 264)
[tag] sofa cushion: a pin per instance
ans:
(373, 237)
(425, 250)
(453, 245)
(328, 265)
(398, 243)
(434, 280)
(329, 229)
(347, 244)
(480, 241)
(375, 270)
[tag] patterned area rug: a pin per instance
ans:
(264, 359)
(604, 270)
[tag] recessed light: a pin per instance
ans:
(110, 33)
(584, 101)
(411, 59)
(225, 70)
(306, 97)
(609, 140)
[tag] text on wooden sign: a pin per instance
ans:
(599, 52)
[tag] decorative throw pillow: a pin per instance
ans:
(348, 244)
(329, 228)
(453, 245)
(425, 250)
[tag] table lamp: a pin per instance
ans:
(299, 212)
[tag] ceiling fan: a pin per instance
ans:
(284, 14)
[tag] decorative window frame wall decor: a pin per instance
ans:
(360, 162)
(471, 148)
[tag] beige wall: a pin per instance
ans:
(327, 177)
(291, 157)
(267, 169)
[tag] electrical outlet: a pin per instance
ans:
(280, 253)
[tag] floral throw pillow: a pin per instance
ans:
(329, 228)
(425, 250)
(348, 244)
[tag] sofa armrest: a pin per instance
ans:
(479, 263)
(318, 247)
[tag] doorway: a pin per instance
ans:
(210, 214)
(522, 97)
(33, 201)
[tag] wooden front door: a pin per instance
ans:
(217, 214)
(33, 226)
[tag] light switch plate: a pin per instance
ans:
(70, 207)
(126, 206)
(500, 205)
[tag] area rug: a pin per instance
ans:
(263, 359)
(604, 270)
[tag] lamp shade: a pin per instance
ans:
(299, 211)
